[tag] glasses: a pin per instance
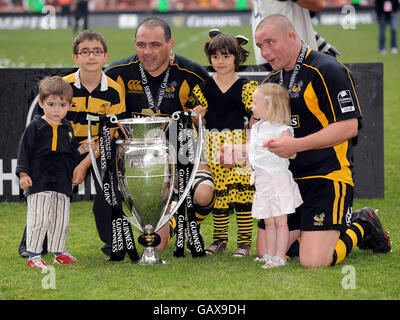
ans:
(87, 52)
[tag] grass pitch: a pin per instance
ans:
(363, 275)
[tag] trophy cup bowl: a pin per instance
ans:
(145, 170)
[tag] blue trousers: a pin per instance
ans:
(382, 22)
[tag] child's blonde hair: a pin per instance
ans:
(276, 103)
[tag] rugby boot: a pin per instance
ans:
(378, 240)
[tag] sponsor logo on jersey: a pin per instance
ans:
(345, 101)
(295, 92)
(295, 122)
(134, 86)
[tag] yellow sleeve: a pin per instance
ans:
(196, 97)
(247, 93)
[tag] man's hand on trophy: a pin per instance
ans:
(96, 149)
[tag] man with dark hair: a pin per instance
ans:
(158, 82)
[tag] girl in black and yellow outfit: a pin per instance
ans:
(224, 101)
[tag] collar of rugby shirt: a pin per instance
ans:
(103, 82)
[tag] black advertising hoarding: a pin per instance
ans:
(19, 89)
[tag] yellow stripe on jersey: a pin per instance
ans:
(341, 204)
(188, 71)
(81, 130)
(78, 104)
(326, 89)
(341, 152)
(184, 92)
(122, 84)
(55, 136)
(311, 100)
(336, 202)
(343, 174)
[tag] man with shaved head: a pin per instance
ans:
(325, 118)
(299, 13)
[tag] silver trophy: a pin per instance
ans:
(146, 165)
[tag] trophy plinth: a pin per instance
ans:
(150, 240)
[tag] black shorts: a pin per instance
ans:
(327, 205)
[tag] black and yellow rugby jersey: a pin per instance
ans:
(184, 75)
(323, 93)
(107, 98)
(48, 153)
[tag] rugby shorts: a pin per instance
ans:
(327, 205)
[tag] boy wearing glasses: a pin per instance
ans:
(96, 94)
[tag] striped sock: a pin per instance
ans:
(349, 239)
(245, 227)
(221, 223)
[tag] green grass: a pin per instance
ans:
(221, 276)
(216, 277)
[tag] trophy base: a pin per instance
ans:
(150, 256)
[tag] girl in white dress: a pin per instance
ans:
(277, 194)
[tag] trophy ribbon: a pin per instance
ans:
(122, 236)
(185, 168)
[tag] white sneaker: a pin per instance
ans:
(266, 258)
(274, 262)
(383, 51)
(395, 51)
(36, 262)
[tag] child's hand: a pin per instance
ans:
(25, 181)
(201, 111)
(265, 143)
(282, 147)
(226, 156)
(85, 146)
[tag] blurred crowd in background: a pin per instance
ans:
(150, 5)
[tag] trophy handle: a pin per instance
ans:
(176, 116)
(91, 118)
